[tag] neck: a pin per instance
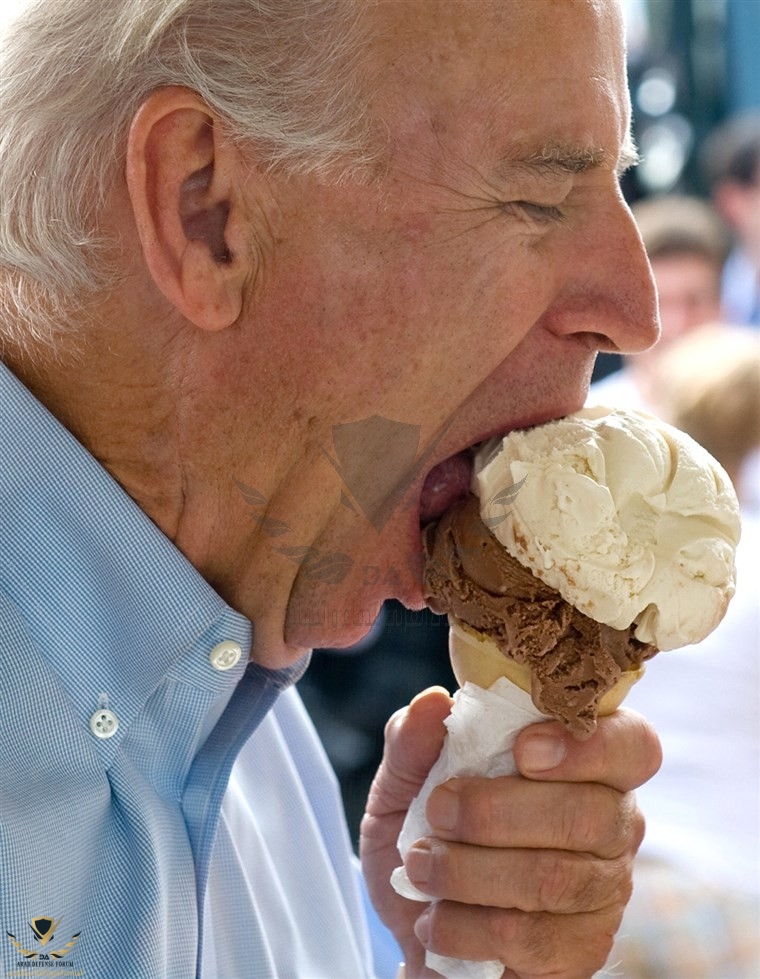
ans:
(148, 409)
(110, 399)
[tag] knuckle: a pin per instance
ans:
(619, 826)
(643, 751)
(618, 887)
(627, 829)
(598, 823)
(562, 881)
(625, 886)
(505, 928)
(652, 753)
(637, 826)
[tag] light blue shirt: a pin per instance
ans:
(161, 804)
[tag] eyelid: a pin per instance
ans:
(540, 213)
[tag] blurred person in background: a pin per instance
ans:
(731, 163)
(695, 912)
(687, 245)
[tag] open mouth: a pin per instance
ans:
(446, 483)
(451, 479)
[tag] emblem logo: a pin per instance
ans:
(43, 928)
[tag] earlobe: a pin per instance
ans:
(212, 308)
(179, 172)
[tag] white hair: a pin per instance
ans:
(284, 73)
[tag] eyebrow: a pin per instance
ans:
(562, 158)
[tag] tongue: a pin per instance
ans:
(448, 482)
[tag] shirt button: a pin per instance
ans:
(104, 723)
(225, 655)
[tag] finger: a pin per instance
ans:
(623, 753)
(531, 945)
(413, 740)
(558, 881)
(515, 812)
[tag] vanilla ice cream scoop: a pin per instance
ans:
(629, 519)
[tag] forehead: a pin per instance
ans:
(529, 65)
(438, 32)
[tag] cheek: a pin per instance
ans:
(470, 297)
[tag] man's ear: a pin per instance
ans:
(181, 178)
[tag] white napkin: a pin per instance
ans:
(482, 728)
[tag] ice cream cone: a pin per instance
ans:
(475, 658)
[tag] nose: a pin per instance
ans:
(611, 291)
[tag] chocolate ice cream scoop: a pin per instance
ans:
(573, 661)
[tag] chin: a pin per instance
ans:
(326, 621)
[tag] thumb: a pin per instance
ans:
(413, 740)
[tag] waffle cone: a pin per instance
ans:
(475, 658)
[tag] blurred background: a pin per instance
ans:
(692, 64)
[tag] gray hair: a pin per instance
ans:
(283, 73)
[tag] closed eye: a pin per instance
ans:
(539, 213)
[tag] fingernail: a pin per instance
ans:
(443, 809)
(419, 863)
(422, 928)
(541, 752)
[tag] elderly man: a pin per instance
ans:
(229, 231)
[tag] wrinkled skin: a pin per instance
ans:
(533, 870)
